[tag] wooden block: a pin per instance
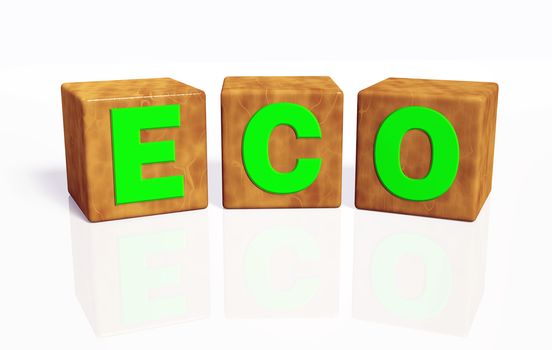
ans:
(306, 135)
(135, 147)
(428, 184)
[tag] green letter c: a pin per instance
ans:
(255, 148)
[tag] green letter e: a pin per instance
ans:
(129, 154)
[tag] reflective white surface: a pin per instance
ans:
(284, 263)
(419, 272)
(42, 257)
(281, 262)
(147, 272)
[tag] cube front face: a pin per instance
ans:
(290, 124)
(468, 108)
(135, 147)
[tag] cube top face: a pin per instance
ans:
(123, 135)
(470, 110)
(297, 84)
(314, 102)
(443, 89)
(96, 91)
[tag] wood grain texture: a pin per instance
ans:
(87, 127)
(241, 98)
(471, 108)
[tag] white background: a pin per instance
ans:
(46, 43)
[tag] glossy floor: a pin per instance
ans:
(413, 272)
(275, 279)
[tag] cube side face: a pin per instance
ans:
(489, 133)
(284, 148)
(73, 130)
(468, 116)
(190, 154)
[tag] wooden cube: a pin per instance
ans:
(425, 147)
(281, 142)
(135, 147)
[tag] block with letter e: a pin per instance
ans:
(281, 142)
(425, 147)
(135, 147)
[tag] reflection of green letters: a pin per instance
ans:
(129, 154)
(257, 265)
(255, 148)
(445, 153)
(138, 281)
(438, 280)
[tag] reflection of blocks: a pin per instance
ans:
(306, 129)
(142, 273)
(424, 159)
(419, 273)
(135, 147)
(281, 264)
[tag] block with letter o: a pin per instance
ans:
(425, 147)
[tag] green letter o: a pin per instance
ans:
(445, 153)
